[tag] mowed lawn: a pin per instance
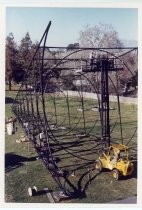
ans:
(23, 170)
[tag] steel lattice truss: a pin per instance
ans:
(61, 118)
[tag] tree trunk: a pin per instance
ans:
(9, 83)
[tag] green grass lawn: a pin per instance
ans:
(23, 170)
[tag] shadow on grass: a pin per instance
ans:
(13, 161)
(79, 191)
(9, 100)
(134, 174)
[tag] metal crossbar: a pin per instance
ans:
(51, 117)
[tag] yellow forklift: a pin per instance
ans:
(115, 158)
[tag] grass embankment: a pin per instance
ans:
(23, 170)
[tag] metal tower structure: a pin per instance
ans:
(56, 114)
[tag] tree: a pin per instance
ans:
(101, 35)
(25, 51)
(18, 72)
(72, 46)
(11, 53)
(25, 55)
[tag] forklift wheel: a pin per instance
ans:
(98, 165)
(116, 174)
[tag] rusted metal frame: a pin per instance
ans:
(82, 105)
(90, 48)
(54, 68)
(68, 107)
(59, 59)
(32, 106)
(37, 99)
(54, 102)
(46, 126)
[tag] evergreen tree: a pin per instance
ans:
(11, 53)
(25, 51)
